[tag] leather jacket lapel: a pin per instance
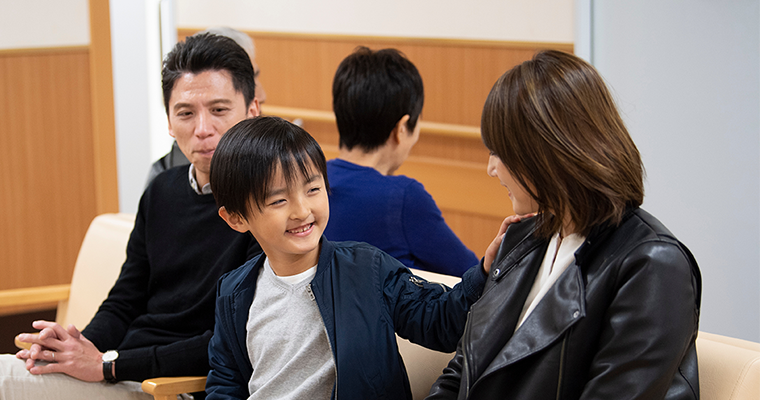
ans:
(508, 287)
(561, 307)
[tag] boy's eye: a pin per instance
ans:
(277, 202)
(315, 189)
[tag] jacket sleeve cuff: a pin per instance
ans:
(473, 281)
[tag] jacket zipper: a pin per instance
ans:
(561, 366)
(465, 366)
(314, 298)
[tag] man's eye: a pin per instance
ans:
(184, 113)
(220, 110)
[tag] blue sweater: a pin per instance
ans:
(395, 214)
(364, 296)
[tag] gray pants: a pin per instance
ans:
(16, 383)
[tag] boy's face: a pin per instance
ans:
(291, 221)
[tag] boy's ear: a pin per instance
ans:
(235, 221)
(400, 129)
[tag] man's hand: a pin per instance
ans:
(65, 350)
(494, 246)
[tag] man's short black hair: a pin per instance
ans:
(209, 52)
(372, 90)
(248, 156)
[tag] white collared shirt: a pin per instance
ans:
(556, 261)
(206, 189)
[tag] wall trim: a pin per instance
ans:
(568, 47)
(43, 50)
(101, 94)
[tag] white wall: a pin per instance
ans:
(538, 20)
(687, 78)
(44, 23)
(141, 127)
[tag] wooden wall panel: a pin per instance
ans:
(48, 194)
(297, 71)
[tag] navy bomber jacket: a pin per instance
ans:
(354, 282)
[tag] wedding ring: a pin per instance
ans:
(53, 355)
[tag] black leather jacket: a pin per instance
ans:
(619, 323)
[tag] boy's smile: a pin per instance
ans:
(289, 224)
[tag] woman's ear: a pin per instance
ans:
(400, 129)
(235, 221)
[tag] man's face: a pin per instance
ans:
(202, 107)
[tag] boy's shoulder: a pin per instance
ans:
(230, 281)
(363, 254)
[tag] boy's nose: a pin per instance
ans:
(299, 210)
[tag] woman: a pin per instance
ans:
(592, 298)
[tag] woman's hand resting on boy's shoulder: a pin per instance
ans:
(494, 246)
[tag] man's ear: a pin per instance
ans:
(254, 110)
(400, 129)
(235, 221)
(171, 133)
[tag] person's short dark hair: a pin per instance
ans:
(250, 153)
(209, 52)
(554, 125)
(372, 90)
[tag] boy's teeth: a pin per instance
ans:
(303, 229)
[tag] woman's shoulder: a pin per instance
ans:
(641, 239)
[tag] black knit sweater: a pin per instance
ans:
(160, 312)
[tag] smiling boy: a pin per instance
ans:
(310, 318)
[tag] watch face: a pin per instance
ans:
(110, 355)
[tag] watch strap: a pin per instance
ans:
(107, 372)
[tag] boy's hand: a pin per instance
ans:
(494, 246)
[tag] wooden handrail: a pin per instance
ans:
(34, 295)
(169, 388)
(426, 127)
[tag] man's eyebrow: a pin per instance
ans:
(213, 102)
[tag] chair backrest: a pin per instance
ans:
(98, 265)
(424, 366)
(729, 368)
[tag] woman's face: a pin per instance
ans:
(522, 202)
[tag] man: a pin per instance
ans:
(174, 157)
(158, 317)
(377, 99)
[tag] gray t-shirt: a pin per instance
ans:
(287, 341)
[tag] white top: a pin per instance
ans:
(287, 341)
(559, 255)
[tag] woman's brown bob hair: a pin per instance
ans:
(554, 125)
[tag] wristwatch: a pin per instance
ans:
(108, 359)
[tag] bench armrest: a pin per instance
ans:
(169, 388)
(34, 295)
